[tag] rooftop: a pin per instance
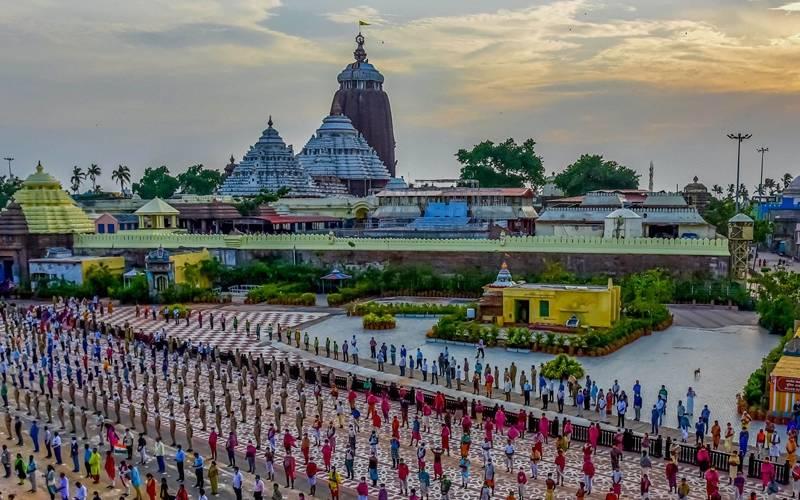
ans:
(157, 206)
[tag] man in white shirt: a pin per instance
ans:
(237, 483)
(81, 492)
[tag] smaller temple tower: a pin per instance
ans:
(740, 237)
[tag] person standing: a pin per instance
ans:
(180, 459)
(213, 477)
(236, 482)
(198, 470)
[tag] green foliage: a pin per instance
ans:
(250, 206)
(270, 291)
(137, 291)
(121, 175)
(592, 172)
(8, 186)
(294, 299)
(93, 172)
(372, 321)
(506, 164)
(394, 308)
(754, 388)
(78, 176)
(719, 211)
(199, 180)
(187, 293)
(705, 291)
(561, 367)
(519, 337)
(645, 292)
(156, 182)
(259, 272)
(778, 299)
(100, 280)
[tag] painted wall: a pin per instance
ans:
(598, 308)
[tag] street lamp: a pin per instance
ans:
(739, 137)
(762, 150)
(9, 159)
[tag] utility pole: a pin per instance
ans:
(650, 183)
(738, 137)
(9, 159)
(761, 150)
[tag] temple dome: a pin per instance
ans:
(503, 277)
(269, 165)
(338, 151)
(47, 208)
(361, 70)
(794, 187)
(695, 186)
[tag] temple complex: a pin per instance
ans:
(362, 99)
(341, 161)
(269, 165)
(40, 215)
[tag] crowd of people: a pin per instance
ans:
(114, 400)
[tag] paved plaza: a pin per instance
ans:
(726, 356)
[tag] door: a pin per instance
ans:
(522, 311)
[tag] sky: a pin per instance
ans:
(148, 83)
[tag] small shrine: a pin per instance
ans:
(157, 214)
(490, 305)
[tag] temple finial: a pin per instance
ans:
(360, 54)
(695, 179)
(39, 167)
(269, 123)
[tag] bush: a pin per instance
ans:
(294, 299)
(272, 293)
(187, 293)
(561, 367)
(519, 337)
(362, 308)
(754, 388)
(372, 321)
(137, 292)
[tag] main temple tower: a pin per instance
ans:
(362, 99)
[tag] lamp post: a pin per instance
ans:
(738, 137)
(762, 150)
(9, 159)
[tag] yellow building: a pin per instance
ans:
(164, 269)
(157, 214)
(562, 305)
(73, 269)
(784, 380)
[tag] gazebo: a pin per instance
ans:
(130, 275)
(335, 275)
(157, 214)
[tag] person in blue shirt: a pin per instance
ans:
(699, 432)
(705, 416)
(637, 406)
(73, 452)
(637, 388)
(198, 470)
(35, 436)
(180, 459)
(655, 416)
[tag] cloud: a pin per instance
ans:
(789, 7)
(352, 15)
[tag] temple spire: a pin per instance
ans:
(360, 54)
(269, 123)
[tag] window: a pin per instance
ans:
(111, 229)
(544, 308)
(101, 228)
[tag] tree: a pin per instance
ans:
(506, 164)
(778, 299)
(787, 179)
(561, 367)
(719, 211)
(717, 189)
(770, 186)
(249, 206)
(156, 182)
(591, 173)
(122, 175)
(198, 180)
(78, 176)
(93, 172)
(7, 188)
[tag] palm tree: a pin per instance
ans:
(122, 174)
(787, 179)
(93, 172)
(716, 189)
(77, 178)
(769, 185)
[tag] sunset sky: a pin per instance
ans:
(148, 82)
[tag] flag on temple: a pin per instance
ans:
(362, 23)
